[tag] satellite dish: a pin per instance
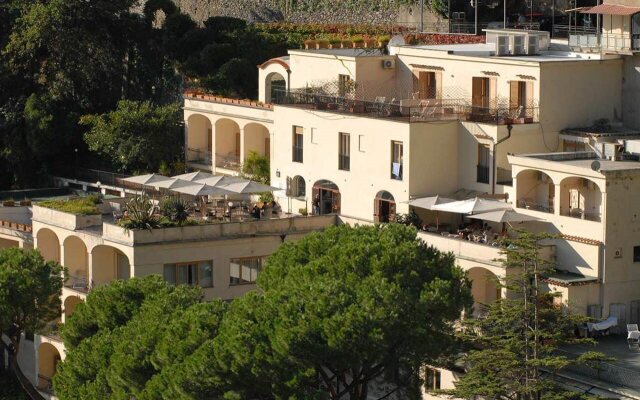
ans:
(595, 166)
(397, 40)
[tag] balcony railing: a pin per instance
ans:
(228, 161)
(297, 154)
(580, 214)
(408, 110)
(78, 283)
(199, 156)
(482, 174)
(532, 205)
(606, 41)
(344, 162)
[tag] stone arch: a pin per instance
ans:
(256, 138)
(109, 264)
(48, 244)
(76, 260)
(384, 207)
(275, 84)
(70, 304)
(535, 190)
(326, 197)
(298, 187)
(199, 139)
(484, 288)
(580, 198)
(227, 144)
(48, 359)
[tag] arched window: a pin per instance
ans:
(298, 187)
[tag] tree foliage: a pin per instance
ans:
(30, 290)
(341, 310)
(131, 338)
(519, 337)
(136, 136)
(256, 168)
(368, 303)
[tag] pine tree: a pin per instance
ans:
(514, 347)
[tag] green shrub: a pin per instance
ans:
(175, 209)
(78, 206)
(141, 214)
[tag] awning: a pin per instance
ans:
(202, 190)
(147, 180)
(248, 187)
(612, 9)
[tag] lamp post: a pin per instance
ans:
(76, 163)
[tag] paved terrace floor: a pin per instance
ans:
(614, 346)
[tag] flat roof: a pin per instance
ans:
(342, 52)
(585, 160)
(488, 50)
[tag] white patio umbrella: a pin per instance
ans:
(248, 187)
(428, 202)
(200, 189)
(193, 176)
(173, 184)
(472, 206)
(219, 180)
(147, 180)
(505, 216)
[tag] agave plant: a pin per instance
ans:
(174, 208)
(141, 213)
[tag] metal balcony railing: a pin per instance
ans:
(200, 156)
(78, 283)
(410, 110)
(228, 161)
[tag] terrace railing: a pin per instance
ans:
(605, 41)
(78, 283)
(199, 156)
(410, 110)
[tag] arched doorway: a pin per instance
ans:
(256, 138)
(535, 190)
(484, 288)
(580, 198)
(108, 264)
(199, 139)
(384, 207)
(76, 261)
(326, 198)
(227, 144)
(275, 85)
(48, 245)
(70, 304)
(48, 359)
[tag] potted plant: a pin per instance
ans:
(322, 44)
(335, 43)
(357, 41)
(8, 203)
(383, 40)
(370, 43)
(309, 44)
(303, 211)
(25, 202)
(347, 44)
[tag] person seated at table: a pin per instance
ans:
(255, 211)
(276, 207)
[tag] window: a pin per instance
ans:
(344, 152)
(298, 187)
(198, 273)
(425, 84)
(483, 164)
(297, 144)
(344, 85)
(396, 160)
(432, 379)
(243, 271)
(636, 253)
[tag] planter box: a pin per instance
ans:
(8, 203)
(63, 219)
(358, 45)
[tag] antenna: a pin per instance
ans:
(595, 166)
(397, 40)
